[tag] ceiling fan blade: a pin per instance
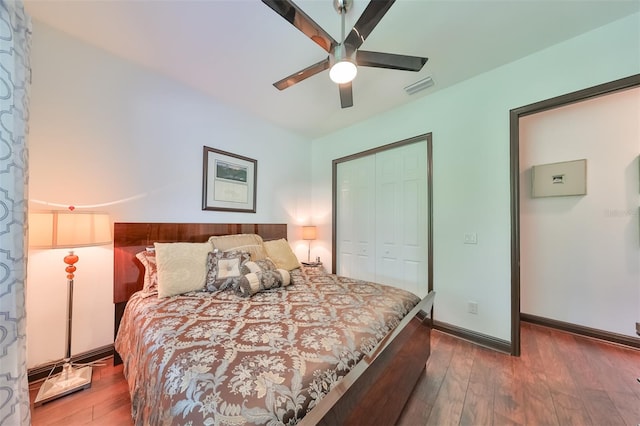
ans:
(392, 61)
(346, 95)
(296, 17)
(371, 16)
(303, 74)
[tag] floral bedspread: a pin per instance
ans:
(219, 359)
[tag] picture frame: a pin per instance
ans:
(229, 181)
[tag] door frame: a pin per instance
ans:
(514, 136)
(334, 196)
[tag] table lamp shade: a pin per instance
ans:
(309, 233)
(68, 229)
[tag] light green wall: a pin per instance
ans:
(470, 126)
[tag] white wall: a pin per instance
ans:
(580, 255)
(470, 126)
(108, 135)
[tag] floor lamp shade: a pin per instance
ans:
(67, 229)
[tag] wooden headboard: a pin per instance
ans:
(131, 238)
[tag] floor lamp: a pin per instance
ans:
(67, 229)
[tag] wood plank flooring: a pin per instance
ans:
(106, 402)
(560, 379)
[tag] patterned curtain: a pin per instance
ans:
(15, 76)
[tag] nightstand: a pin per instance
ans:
(313, 268)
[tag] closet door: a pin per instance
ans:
(381, 217)
(401, 217)
(355, 219)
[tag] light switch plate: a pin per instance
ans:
(471, 238)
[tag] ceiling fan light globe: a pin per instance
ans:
(343, 72)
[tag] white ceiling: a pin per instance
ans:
(235, 50)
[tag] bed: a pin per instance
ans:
(323, 350)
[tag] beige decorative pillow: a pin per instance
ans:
(250, 243)
(182, 267)
(279, 251)
(256, 252)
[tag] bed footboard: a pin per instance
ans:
(377, 389)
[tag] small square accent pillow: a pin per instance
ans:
(182, 267)
(281, 254)
(224, 269)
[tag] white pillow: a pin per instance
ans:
(182, 267)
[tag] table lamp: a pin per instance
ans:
(309, 233)
(67, 229)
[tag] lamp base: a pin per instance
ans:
(68, 381)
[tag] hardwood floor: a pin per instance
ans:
(560, 379)
(106, 402)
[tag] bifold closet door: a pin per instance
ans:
(381, 217)
(355, 223)
(401, 217)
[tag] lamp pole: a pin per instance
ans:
(70, 260)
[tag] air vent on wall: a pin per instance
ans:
(419, 85)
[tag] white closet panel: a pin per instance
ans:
(356, 219)
(383, 206)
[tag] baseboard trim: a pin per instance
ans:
(474, 337)
(42, 371)
(595, 333)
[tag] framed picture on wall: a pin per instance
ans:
(228, 181)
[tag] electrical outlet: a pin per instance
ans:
(471, 238)
(473, 308)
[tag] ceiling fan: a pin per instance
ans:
(344, 56)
